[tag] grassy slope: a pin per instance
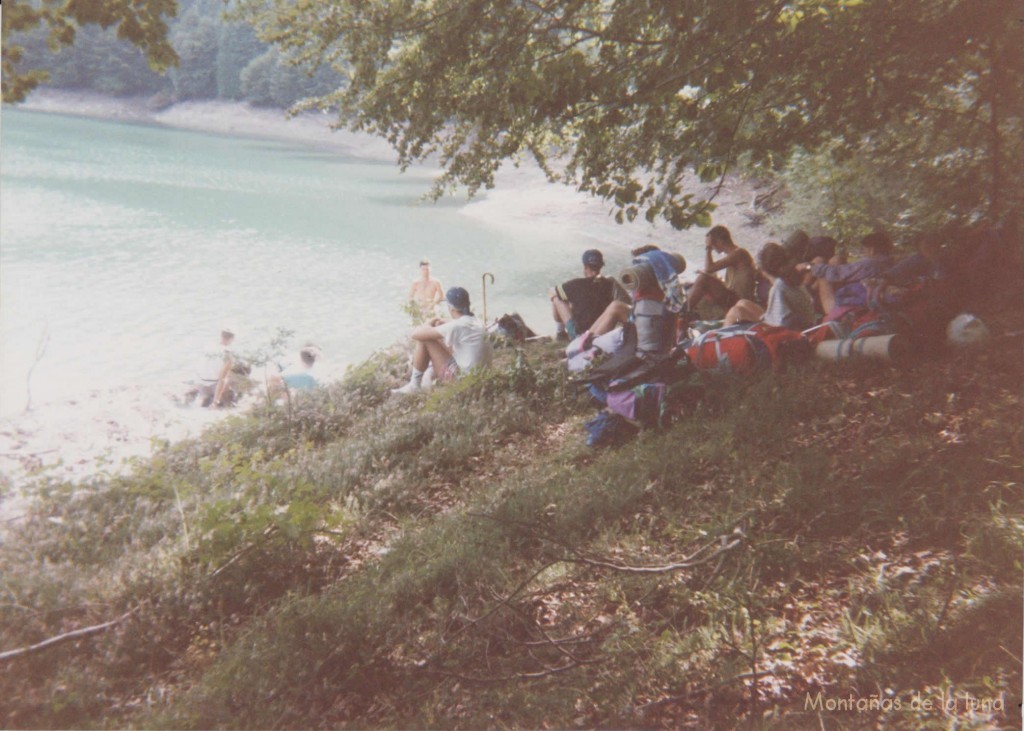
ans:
(462, 560)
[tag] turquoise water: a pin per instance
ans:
(123, 247)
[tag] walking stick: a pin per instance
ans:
(483, 280)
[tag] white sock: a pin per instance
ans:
(417, 377)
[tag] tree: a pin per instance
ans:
(622, 97)
(237, 46)
(143, 22)
(98, 61)
(195, 40)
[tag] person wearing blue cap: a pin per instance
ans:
(576, 304)
(451, 347)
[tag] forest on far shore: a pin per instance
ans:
(218, 59)
(850, 115)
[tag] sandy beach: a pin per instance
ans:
(100, 432)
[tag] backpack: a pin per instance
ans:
(607, 429)
(514, 328)
(642, 405)
(744, 348)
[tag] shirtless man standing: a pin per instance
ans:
(426, 292)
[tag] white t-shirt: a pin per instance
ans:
(788, 306)
(212, 362)
(466, 337)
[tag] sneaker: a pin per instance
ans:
(562, 336)
(410, 387)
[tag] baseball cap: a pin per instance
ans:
(458, 298)
(592, 258)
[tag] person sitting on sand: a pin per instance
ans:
(426, 292)
(789, 304)
(295, 377)
(576, 304)
(740, 273)
(215, 374)
(829, 278)
(453, 347)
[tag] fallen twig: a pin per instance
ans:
(516, 676)
(66, 637)
(44, 340)
(688, 562)
(504, 602)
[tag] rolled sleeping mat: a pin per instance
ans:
(895, 348)
(639, 276)
(655, 327)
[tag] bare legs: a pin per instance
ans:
(707, 286)
(431, 351)
(561, 311)
(744, 311)
(615, 314)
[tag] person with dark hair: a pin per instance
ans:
(829, 278)
(820, 247)
(426, 291)
(796, 246)
(740, 272)
(576, 304)
(216, 377)
(295, 377)
(927, 263)
(451, 347)
(789, 304)
(653, 303)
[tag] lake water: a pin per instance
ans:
(124, 247)
(127, 246)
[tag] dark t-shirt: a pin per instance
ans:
(588, 297)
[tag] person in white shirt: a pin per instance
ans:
(451, 347)
(213, 382)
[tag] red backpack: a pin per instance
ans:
(743, 348)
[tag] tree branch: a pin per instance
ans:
(688, 562)
(516, 676)
(66, 637)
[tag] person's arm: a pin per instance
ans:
(412, 292)
(222, 379)
(832, 272)
(438, 291)
(731, 259)
(424, 333)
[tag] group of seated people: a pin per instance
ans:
(790, 285)
(223, 375)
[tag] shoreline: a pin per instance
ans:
(101, 432)
(521, 198)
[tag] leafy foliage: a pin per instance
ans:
(142, 22)
(621, 98)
